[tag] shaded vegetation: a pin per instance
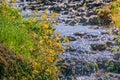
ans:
(13, 66)
(34, 49)
(110, 14)
(107, 15)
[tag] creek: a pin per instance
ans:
(90, 54)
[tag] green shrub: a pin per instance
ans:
(32, 39)
(115, 9)
(110, 13)
(104, 15)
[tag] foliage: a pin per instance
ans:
(105, 15)
(13, 66)
(46, 48)
(33, 39)
(115, 9)
(110, 13)
(113, 66)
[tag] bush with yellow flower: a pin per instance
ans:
(109, 13)
(34, 40)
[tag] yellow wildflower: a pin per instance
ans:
(40, 42)
(52, 52)
(54, 15)
(58, 33)
(4, 2)
(35, 12)
(46, 26)
(50, 42)
(46, 11)
(35, 71)
(63, 50)
(31, 49)
(118, 1)
(58, 45)
(55, 68)
(46, 37)
(48, 71)
(49, 31)
(13, 1)
(13, 17)
(40, 38)
(44, 16)
(59, 59)
(64, 66)
(36, 65)
(57, 38)
(66, 39)
(23, 78)
(51, 59)
(34, 35)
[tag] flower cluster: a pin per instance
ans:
(47, 47)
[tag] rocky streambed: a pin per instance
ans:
(93, 53)
(90, 53)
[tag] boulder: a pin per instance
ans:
(93, 21)
(98, 46)
(81, 34)
(71, 38)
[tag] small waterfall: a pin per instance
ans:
(25, 3)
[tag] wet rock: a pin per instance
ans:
(102, 75)
(65, 13)
(93, 52)
(69, 78)
(95, 39)
(83, 20)
(84, 68)
(90, 13)
(90, 6)
(93, 5)
(101, 63)
(82, 51)
(93, 21)
(94, 27)
(80, 14)
(71, 38)
(115, 31)
(98, 46)
(92, 35)
(81, 34)
(56, 9)
(108, 1)
(66, 69)
(105, 32)
(117, 56)
(109, 43)
(72, 23)
(70, 49)
(89, 1)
